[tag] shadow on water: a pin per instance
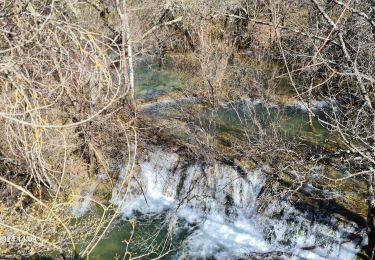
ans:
(152, 238)
(249, 119)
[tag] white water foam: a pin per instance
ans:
(82, 205)
(221, 203)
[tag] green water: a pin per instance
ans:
(152, 81)
(253, 121)
(151, 236)
(238, 120)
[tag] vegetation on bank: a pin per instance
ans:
(70, 111)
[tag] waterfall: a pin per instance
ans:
(82, 205)
(223, 205)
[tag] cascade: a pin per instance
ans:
(224, 206)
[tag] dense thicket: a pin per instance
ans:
(67, 88)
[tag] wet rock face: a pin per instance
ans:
(233, 211)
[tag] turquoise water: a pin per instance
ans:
(154, 81)
(237, 119)
(241, 119)
(248, 120)
(151, 236)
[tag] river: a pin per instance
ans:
(191, 209)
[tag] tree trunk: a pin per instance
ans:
(126, 50)
(130, 54)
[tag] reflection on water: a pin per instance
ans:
(154, 81)
(150, 238)
(249, 119)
